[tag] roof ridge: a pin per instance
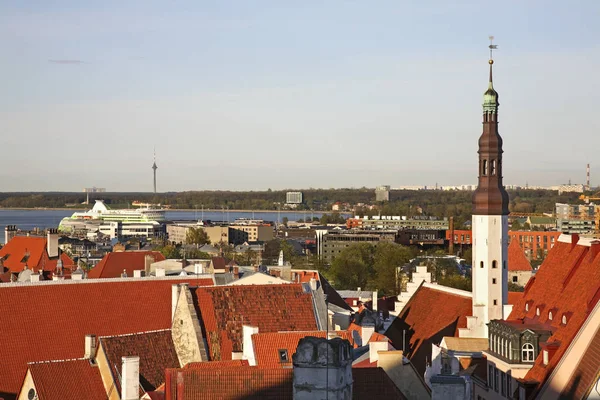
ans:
(447, 289)
(112, 280)
(135, 333)
(56, 361)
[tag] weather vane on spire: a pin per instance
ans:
(492, 47)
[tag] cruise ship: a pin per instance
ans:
(101, 213)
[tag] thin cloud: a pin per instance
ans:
(66, 61)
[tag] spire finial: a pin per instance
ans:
(492, 47)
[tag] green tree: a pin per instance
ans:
(457, 281)
(513, 287)
(353, 266)
(515, 225)
(468, 256)
(285, 221)
(170, 251)
(196, 254)
(197, 236)
(225, 249)
(387, 259)
(249, 257)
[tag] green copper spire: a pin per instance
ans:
(490, 97)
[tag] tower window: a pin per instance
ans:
(495, 302)
(481, 264)
(494, 264)
(527, 353)
(485, 167)
(494, 281)
(493, 167)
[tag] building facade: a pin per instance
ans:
(397, 222)
(382, 193)
(334, 242)
(577, 218)
(293, 198)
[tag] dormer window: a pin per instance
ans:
(537, 311)
(545, 356)
(564, 320)
(550, 315)
(527, 353)
(526, 306)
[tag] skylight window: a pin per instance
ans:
(283, 356)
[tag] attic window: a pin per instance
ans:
(550, 315)
(283, 356)
(526, 306)
(545, 356)
(564, 319)
(537, 311)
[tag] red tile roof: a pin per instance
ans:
(265, 383)
(378, 337)
(17, 248)
(66, 380)
(49, 320)
(568, 282)
(586, 373)
(272, 308)
(517, 261)
(267, 346)
(217, 364)
(156, 352)
(429, 315)
(229, 383)
(514, 297)
(113, 264)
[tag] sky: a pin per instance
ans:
(250, 95)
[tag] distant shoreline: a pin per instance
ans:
(216, 210)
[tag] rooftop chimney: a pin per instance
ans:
(10, 231)
(175, 290)
(322, 369)
(313, 284)
(90, 347)
(148, 261)
(130, 378)
(52, 243)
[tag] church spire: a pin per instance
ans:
(490, 198)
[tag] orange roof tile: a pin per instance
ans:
(272, 308)
(429, 315)
(66, 380)
(265, 383)
(29, 250)
(568, 282)
(113, 264)
(54, 317)
(514, 297)
(517, 261)
(267, 346)
(378, 337)
(217, 364)
(586, 373)
(156, 352)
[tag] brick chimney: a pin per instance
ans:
(148, 261)
(322, 369)
(130, 378)
(52, 243)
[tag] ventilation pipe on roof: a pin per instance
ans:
(130, 378)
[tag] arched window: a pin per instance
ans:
(481, 264)
(493, 167)
(537, 311)
(550, 315)
(527, 353)
(526, 306)
(564, 319)
(494, 264)
(485, 167)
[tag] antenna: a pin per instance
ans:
(492, 46)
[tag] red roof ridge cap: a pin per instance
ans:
(447, 289)
(56, 361)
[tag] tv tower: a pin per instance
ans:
(154, 167)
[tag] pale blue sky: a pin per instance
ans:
(259, 94)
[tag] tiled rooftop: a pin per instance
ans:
(156, 352)
(30, 250)
(429, 315)
(517, 261)
(567, 283)
(272, 308)
(113, 264)
(49, 320)
(268, 345)
(265, 383)
(67, 380)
